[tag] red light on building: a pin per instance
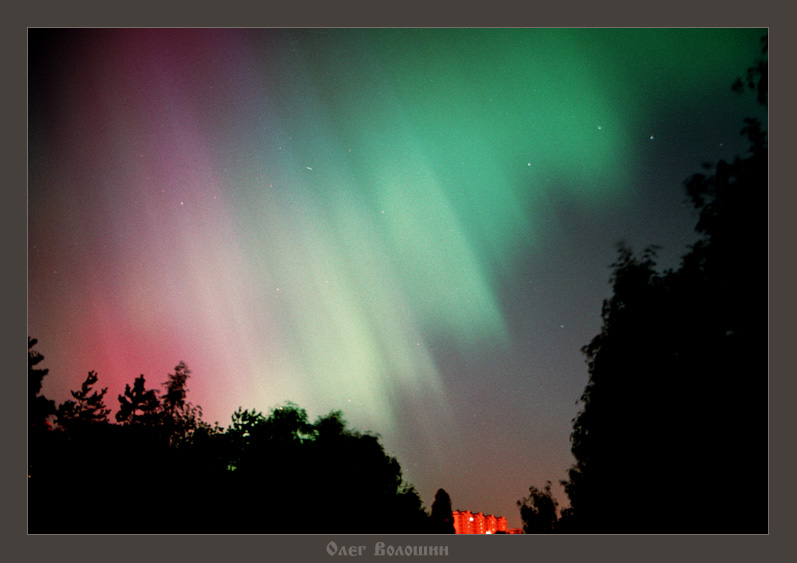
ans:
(467, 522)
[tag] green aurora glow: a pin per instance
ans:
(353, 219)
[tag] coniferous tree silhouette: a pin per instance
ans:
(138, 405)
(40, 408)
(88, 406)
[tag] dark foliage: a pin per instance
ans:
(139, 405)
(315, 477)
(164, 470)
(441, 520)
(538, 511)
(672, 437)
(40, 411)
(87, 408)
(40, 408)
(180, 418)
(756, 77)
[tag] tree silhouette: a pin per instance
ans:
(40, 408)
(138, 405)
(42, 443)
(328, 478)
(173, 399)
(275, 473)
(538, 510)
(180, 418)
(676, 403)
(441, 520)
(88, 406)
(756, 77)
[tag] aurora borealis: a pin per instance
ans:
(411, 225)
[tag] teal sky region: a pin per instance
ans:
(411, 225)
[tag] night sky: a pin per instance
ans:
(413, 226)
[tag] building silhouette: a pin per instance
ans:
(467, 522)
